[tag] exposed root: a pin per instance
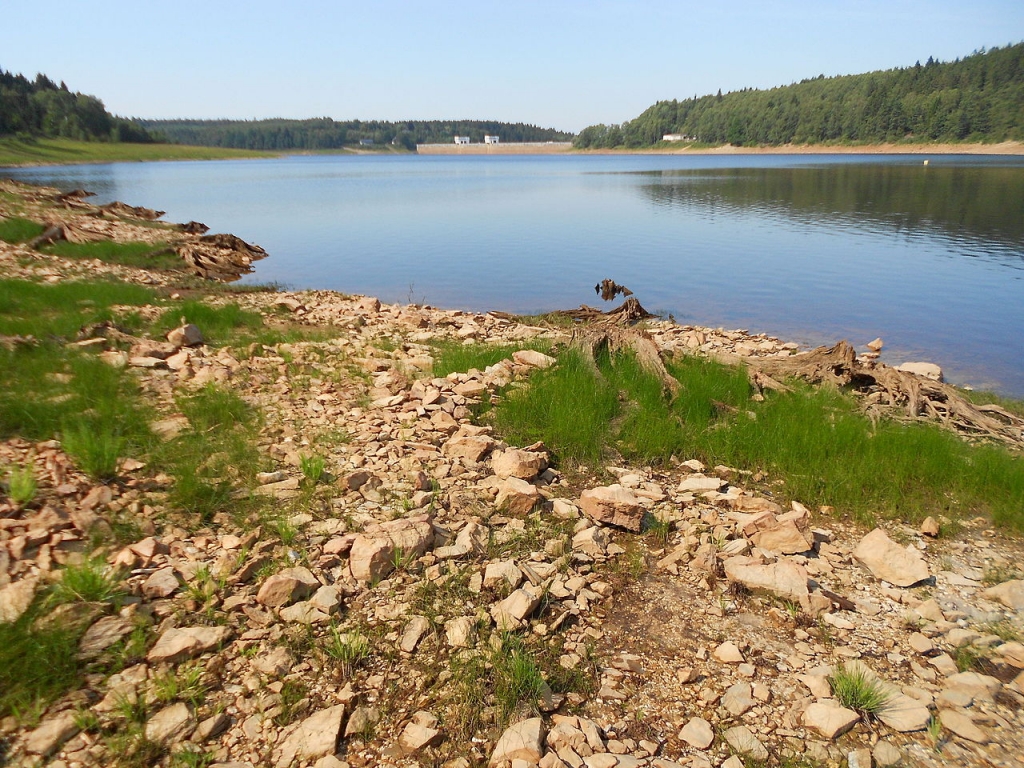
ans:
(220, 257)
(590, 341)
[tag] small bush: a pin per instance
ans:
(184, 683)
(349, 649)
(518, 683)
(856, 690)
(37, 666)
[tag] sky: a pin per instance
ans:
(562, 64)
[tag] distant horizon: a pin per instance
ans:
(566, 64)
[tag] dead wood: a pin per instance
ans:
(630, 312)
(117, 208)
(220, 257)
(609, 289)
(64, 231)
(194, 228)
(887, 391)
(590, 341)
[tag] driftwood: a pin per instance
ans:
(220, 257)
(64, 231)
(117, 208)
(628, 313)
(609, 289)
(194, 228)
(887, 391)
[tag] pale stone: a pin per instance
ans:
(728, 653)
(1009, 593)
(859, 758)
(925, 370)
(510, 613)
(830, 720)
(613, 505)
(286, 587)
(103, 634)
(503, 572)
(16, 598)
(513, 462)
(51, 734)
(516, 496)
(414, 631)
(930, 527)
(522, 741)
(419, 733)
(533, 358)
(304, 612)
(591, 541)
(784, 537)
(876, 345)
(738, 699)
(1012, 653)
(313, 738)
(160, 584)
(697, 733)
(890, 562)
(372, 556)
(188, 335)
(741, 739)
(171, 724)
(179, 644)
(962, 725)
(886, 754)
(361, 721)
(783, 579)
(472, 448)
(700, 483)
(460, 632)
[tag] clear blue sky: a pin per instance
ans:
(560, 63)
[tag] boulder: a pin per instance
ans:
(177, 645)
(160, 584)
(314, 737)
(471, 448)
(890, 562)
(1009, 593)
(522, 741)
(925, 370)
(533, 358)
(784, 537)
(743, 741)
(516, 496)
(16, 598)
(373, 553)
(513, 462)
(830, 720)
(697, 733)
(420, 733)
(51, 734)
(286, 587)
(613, 505)
(171, 724)
(188, 335)
(783, 579)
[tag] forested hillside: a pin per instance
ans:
(325, 133)
(978, 98)
(40, 107)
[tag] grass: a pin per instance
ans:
(21, 485)
(147, 255)
(815, 440)
(183, 683)
(454, 357)
(18, 230)
(312, 467)
(518, 682)
(96, 448)
(349, 649)
(89, 582)
(37, 666)
(219, 323)
(855, 690)
(61, 151)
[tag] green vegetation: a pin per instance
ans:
(37, 664)
(219, 324)
(18, 230)
(21, 485)
(312, 468)
(349, 649)
(855, 690)
(978, 98)
(814, 440)
(24, 151)
(183, 683)
(89, 582)
(96, 447)
(148, 255)
(325, 133)
(518, 684)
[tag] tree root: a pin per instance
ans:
(591, 340)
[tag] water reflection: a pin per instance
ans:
(978, 212)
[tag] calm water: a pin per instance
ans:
(813, 248)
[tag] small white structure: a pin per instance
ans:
(673, 137)
(462, 139)
(490, 139)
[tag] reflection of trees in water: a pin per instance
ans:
(980, 210)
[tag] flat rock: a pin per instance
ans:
(890, 562)
(613, 505)
(1009, 593)
(738, 699)
(420, 733)
(372, 556)
(514, 462)
(742, 739)
(103, 634)
(533, 358)
(160, 584)
(925, 370)
(904, 713)
(314, 737)
(697, 733)
(414, 631)
(16, 598)
(171, 724)
(783, 579)
(516, 496)
(51, 734)
(961, 725)
(698, 483)
(511, 612)
(286, 587)
(522, 741)
(785, 537)
(728, 653)
(830, 720)
(180, 644)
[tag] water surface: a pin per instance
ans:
(810, 248)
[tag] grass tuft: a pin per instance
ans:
(96, 448)
(18, 230)
(856, 690)
(89, 582)
(21, 485)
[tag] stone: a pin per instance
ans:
(876, 345)
(160, 584)
(503, 572)
(783, 579)
(171, 724)
(180, 644)
(783, 537)
(51, 734)
(472, 448)
(743, 741)
(460, 632)
(101, 635)
(211, 727)
(16, 598)
(188, 335)
(925, 370)
(930, 527)
(513, 462)
(304, 612)
(738, 699)
(613, 505)
(286, 587)
(516, 496)
(372, 556)
(728, 653)
(591, 541)
(903, 713)
(414, 631)
(960, 724)
(313, 738)
(697, 733)
(510, 613)
(1012, 653)
(890, 562)
(886, 754)
(698, 483)
(830, 720)
(420, 733)
(533, 358)
(1009, 593)
(361, 721)
(522, 741)
(859, 758)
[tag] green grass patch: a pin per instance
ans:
(815, 440)
(61, 151)
(19, 230)
(855, 690)
(219, 324)
(88, 582)
(146, 255)
(455, 357)
(57, 312)
(36, 666)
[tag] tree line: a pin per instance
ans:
(41, 108)
(977, 98)
(326, 133)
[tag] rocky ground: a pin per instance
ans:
(678, 618)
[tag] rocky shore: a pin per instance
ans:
(678, 618)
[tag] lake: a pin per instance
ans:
(809, 248)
